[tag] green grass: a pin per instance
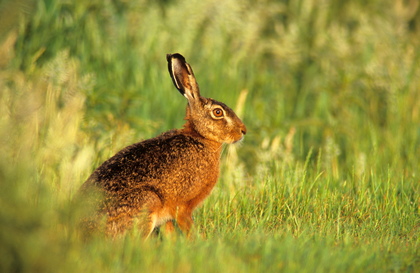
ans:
(326, 180)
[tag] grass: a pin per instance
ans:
(327, 179)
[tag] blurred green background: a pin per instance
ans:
(329, 91)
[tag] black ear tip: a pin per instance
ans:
(175, 56)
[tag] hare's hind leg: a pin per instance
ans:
(138, 209)
(149, 215)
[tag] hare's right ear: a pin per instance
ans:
(183, 76)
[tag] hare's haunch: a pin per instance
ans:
(163, 179)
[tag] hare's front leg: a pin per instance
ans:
(184, 219)
(169, 227)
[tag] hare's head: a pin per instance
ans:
(211, 119)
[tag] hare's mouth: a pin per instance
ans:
(243, 133)
(239, 138)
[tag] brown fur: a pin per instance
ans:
(164, 178)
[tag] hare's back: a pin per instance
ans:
(147, 162)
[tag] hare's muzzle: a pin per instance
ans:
(241, 134)
(243, 130)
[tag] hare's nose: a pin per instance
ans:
(243, 129)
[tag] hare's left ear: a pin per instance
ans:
(183, 76)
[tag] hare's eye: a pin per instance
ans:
(217, 112)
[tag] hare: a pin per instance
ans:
(163, 179)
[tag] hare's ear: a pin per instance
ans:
(183, 76)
